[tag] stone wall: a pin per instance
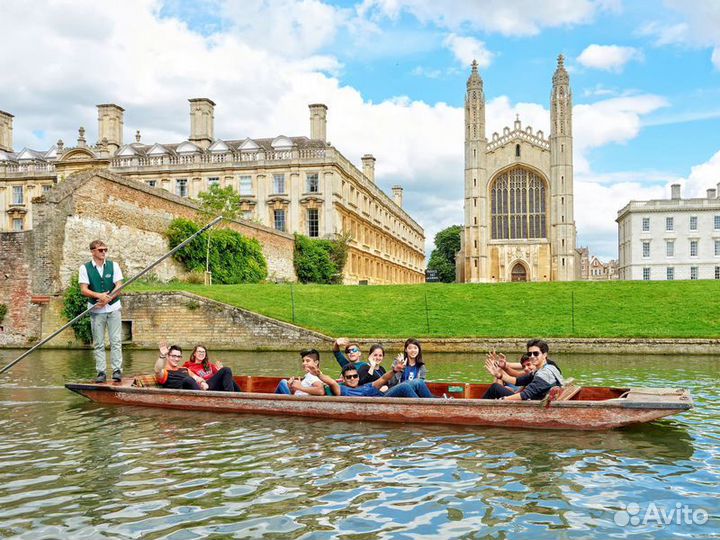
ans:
(19, 325)
(187, 319)
(132, 219)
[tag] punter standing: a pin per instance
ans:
(98, 279)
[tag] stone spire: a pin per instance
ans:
(474, 81)
(561, 75)
(474, 106)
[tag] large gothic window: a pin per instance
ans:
(517, 201)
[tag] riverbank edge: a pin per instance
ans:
(182, 304)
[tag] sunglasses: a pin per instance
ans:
(353, 350)
(356, 376)
(102, 250)
(534, 353)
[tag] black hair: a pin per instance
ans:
(540, 344)
(310, 352)
(524, 358)
(375, 347)
(418, 359)
(174, 348)
(348, 367)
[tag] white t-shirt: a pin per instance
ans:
(117, 276)
(307, 382)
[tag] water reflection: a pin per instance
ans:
(70, 468)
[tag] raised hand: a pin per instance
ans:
(164, 348)
(492, 368)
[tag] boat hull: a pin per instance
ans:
(573, 415)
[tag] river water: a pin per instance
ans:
(73, 469)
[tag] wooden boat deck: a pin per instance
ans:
(592, 408)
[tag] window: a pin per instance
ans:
(47, 187)
(645, 224)
(693, 272)
(313, 223)
(152, 183)
(279, 183)
(693, 223)
(17, 225)
(181, 189)
(247, 214)
(717, 223)
(246, 185)
(717, 272)
(279, 219)
(313, 185)
(213, 181)
(646, 249)
(517, 205)
(670, 273)
(17, 195)
(717, 248)
(517, 150)
(669, 224)
(693, 248)
(646, 273)
(670, 248)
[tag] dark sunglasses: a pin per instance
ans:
(101, 249)
(356, 376)
(353, 350)
(534, 353)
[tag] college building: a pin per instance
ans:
(519, 213)
(665, 239)
(292, 184)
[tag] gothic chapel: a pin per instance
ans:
(519, 222)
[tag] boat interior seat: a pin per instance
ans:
(145, 381)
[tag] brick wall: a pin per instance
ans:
(20, 323)
(132, 219)
(187, 319)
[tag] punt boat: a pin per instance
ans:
(576, 408)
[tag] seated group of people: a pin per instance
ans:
(530, 379)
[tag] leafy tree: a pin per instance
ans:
(74, 303)
(232, 257)
(216, 202)
(320, 261)
(442, 259)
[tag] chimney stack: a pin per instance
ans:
(202, 121)
(675, 191)
(711, 193)
(718, 189)
(368, 161)
(110, 125)
(6, 131)
(398, 195)
(318, 122)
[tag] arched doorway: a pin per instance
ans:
(518, 273)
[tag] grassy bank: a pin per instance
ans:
(660, 309)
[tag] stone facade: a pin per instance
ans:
(16, 272)
(665, 239)
(519, 217)
(187, 319)
(292, 184)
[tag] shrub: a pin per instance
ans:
(74, 303)
(320, 261)
(233, 257)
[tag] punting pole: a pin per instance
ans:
(120, 288)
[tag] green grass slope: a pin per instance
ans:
(626, 309)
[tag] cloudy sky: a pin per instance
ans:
(645, 77)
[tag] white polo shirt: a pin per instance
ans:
(117, 276)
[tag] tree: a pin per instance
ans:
(320, 261)
(442, 259)
(216, 202)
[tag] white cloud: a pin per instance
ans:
(701, 178)
(608, 57)
(516, 18)
(699, 27)
(467, 49)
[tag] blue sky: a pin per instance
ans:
(645, 79)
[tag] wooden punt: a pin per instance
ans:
(590, 408)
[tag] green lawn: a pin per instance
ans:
(663, 309)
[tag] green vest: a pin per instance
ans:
(100, 283)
